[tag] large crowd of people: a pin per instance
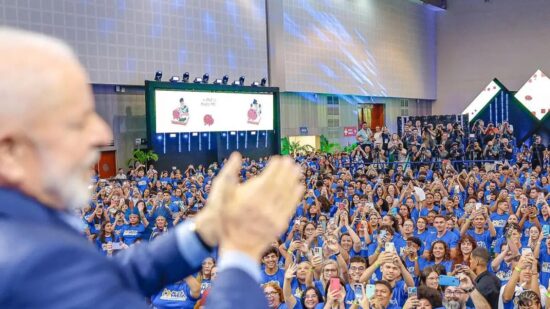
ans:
(468, 232)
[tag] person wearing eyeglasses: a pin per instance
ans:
(274, 295)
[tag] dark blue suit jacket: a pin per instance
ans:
(234, 288)
(45, 263)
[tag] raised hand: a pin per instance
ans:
(291, 271)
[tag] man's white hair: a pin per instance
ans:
(27, 78)
(33, 70)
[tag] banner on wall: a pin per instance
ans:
(192, 111)
(350, 131)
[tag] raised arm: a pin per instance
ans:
(290, 274)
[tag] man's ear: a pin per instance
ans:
(12, 155)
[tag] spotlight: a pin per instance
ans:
(218, 82)
(174, 79)
(225, 79)
(255, 84)
(197, 80)
(239, 82)
(185, 78)
(263, 82)
(205, 78)
(158, 76)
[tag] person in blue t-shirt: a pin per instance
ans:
(443, 234)
(392, 269)
(274, 295)
(142, 181)
(296, 294)
(107, 236)
(133, 231)
(205, 275)
(484, 237)
(181, 295)
(438, 255)
(502, 264)
(271, 271)
(500, 217)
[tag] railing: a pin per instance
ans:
(434, 164)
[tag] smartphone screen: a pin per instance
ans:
(358, 290)
(412, 291)
(369, 290)
(318, 251)
(448, 281)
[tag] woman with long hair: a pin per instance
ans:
(429, 277)
(204, 276)
(438, 255)
(106, 236)
(465, 246)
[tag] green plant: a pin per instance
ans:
(142, 157)
(285, 146)
(288, 147)
(326, 146)
(350, 148)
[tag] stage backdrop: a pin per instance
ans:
(497, 104)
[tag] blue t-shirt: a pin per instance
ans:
(499, 221)
(449, 238)
(504, 272)
(176, 295)
(297, 288)
(102, 246)
(423, 263)
(544, 260)
(399, 295)
(205, 285)
(278, 277)
(130, 233)
(142, 183)
(483, 240)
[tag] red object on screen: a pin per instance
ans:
(208, 120)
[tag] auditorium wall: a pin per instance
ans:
(126, 41)
(480, 40)
(368, 47)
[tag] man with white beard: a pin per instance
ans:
(49, 134)
(455, 297)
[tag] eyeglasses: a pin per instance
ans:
(455, 292)
(273, 293)
(357, 268)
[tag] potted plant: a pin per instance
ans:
(142, 157)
